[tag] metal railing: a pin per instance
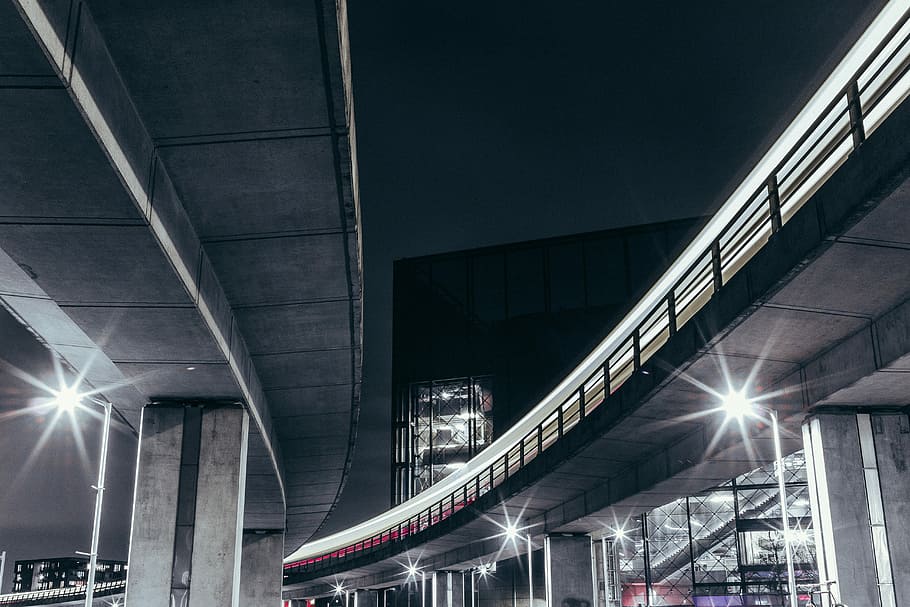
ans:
(858, 96)
(56, 595)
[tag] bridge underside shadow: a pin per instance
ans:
(818, 318)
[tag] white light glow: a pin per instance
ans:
(798, 536)
(737, 405)
(722, 497)
(511, 531)
(67, 398)
(620, 533)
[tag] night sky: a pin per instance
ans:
(481, 123)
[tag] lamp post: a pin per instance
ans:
(512, 534)
(68, 399)
(530, 574)
(738, 406)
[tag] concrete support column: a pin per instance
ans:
(185, 542)
(261, 570)
(449, 589)
(569, 570)
(366, 598)
(859, 477)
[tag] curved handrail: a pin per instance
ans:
(67, 592)
(867, 85)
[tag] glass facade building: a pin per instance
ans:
(723, 547)
(439, 426)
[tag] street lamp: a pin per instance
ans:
(512, 533)
(68, 399)
(737, 405)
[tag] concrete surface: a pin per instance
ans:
(180, 220)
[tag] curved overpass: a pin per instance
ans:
(180, 220)
(625, 414)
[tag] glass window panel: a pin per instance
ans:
(489, 288)
(605, 269)
(567, 278)
(525, 282)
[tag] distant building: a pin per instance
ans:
(65, 572)
(480, 336)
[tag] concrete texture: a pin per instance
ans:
(260, 569)
(362, 598)
(160, 177)
(220, 491)
(569, 565)
(861, 506)
(188, 511)
(151, 556)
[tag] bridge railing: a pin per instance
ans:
(58, 595)
(857, 97)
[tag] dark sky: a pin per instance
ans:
(47, 504)
(490, 122)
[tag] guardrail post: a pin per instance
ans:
(521, 454)
(774, 203)
(581, 402)
(539, 439)
(636, 348)
(559, 422)
(607, 378)
(856, 115)
(716, 267)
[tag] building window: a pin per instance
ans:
(720, 547)
(439, 426)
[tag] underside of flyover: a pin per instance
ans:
(818, 319)
(179, 220)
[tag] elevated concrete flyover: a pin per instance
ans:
(179, 221)
(797, 293)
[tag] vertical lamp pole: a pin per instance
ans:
(738, 406)
(784, 519)
(530, 575)
(99, 498)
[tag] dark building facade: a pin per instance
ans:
(65, 572)
(480, 336)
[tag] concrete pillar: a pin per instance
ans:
(859, 477)
(366, 598)
(261, 571)
(569, 570)
(185, 541)
(449, 589)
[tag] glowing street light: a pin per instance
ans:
(68, 399)
(512, 533)
(411, 571)
(738, 406)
